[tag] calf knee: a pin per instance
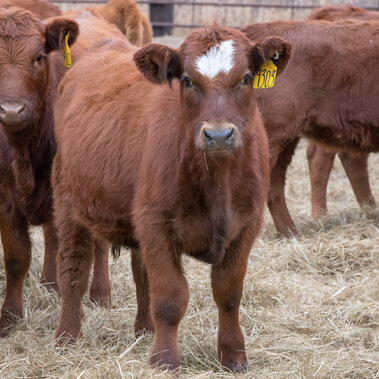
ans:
(16, 267)
(169, 313)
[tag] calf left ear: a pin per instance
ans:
(56, 30)
(158, 63)
(275, 48)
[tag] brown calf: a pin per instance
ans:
(320, 158)
(341, 12)
(329, 95)
(165, 170)
(126, 15)
(28, 84)
(40, 8)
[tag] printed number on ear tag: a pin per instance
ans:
(265, 77)
(66, 51)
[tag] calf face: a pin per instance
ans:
(216, 72)
(25, 46)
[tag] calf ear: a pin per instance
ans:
(275, 48)
(56, 30)
(158, 63)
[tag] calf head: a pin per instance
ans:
(216, 68)
(25, 65)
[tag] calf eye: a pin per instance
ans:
(39, 58)
(187, 81)
(246, 79)
(276, 55)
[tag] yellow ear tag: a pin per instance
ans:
(265, 77)
(66, 52)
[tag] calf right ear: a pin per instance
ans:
(158, 63)
(275, 48)
(56, 30)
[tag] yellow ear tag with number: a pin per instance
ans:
(265, 77)
(66, 52)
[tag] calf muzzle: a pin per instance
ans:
(12, 113)
(219, 138)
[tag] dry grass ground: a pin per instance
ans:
(310, 306)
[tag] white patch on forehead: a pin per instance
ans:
(218, 59)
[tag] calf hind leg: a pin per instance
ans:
(143, 321)
(49, 269)
(355, 166)
(320, 163)
(100, 291)
(276, 199)
(74, 261)
(17, 254)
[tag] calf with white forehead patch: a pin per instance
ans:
(187, 174)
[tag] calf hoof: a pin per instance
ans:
(237, 369)
(318, 213)
(5, 328)
(235, 362)
(100, 296)
(165, 360)
(5, 332)
(8, 319)
(100, 299)
(64, 337)
(287, 232)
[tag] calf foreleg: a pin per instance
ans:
(143, 319)
(168, 300)
(276, 200)
(17, 253)
(227, 284)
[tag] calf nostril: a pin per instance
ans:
(230, 134)
(207, 136)
(12, 108)
(20, 109)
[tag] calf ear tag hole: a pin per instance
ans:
(265, 76)
(66, 50)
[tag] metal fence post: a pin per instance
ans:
(162, 13)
